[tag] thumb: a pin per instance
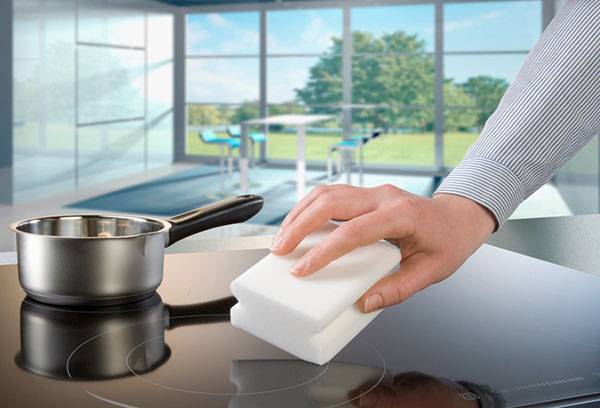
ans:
(416, 272)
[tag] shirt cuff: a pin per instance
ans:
(488, 183)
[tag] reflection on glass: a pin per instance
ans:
(44, 102)
(303, 31)
(109, 152)
(100, 23)
(222, 33)
(160, 90)
(414, 389)
(408, 135)
(492, 26)
(111, 84)
(160, 139)
(381, 27)
(64, 343)
(222, 80)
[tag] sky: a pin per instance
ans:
(495, 26)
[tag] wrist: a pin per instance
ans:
(468, 212)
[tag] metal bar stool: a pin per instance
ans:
(235, 131)
(351, 145)
(209, 137)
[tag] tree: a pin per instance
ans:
(458, 118)
(246, 111)
(397, 83)
(202, 115)
(486, 92)
(394, 77)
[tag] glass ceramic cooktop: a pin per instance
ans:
(505, 331)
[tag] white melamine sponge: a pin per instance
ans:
(312, 317)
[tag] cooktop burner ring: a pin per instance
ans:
(209, 393)
(139, 375)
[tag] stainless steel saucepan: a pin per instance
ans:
(102, 260)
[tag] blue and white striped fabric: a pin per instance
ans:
(550, 111)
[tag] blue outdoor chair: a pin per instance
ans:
(254, 137)
(351, 145)
(209, 137)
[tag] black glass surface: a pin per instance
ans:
(503, 332)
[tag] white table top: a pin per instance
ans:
(288, 120)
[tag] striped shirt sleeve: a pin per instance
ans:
(550, 111)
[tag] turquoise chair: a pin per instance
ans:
(351, 145)
(254, 137)
(209, 137)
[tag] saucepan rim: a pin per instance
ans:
(15, 227)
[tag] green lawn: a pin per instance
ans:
(406, 149)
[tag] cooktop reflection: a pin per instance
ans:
(506, 331)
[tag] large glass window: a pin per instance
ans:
(393, 74)
(304, 75)
(485, 44)
(222, 74)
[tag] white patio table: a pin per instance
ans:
(298, 121)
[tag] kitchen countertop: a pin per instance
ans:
(572, 241)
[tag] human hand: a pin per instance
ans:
(436, 235)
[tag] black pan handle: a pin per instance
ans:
(230, 211)
(201, 313)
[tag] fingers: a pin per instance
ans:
(416, 273)
(306, 201)
(363, 230)
(339, 203)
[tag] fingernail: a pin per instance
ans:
(277, 242)
(373, 302)
(299, 267)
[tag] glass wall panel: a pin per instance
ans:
(101, 22)
(160, 90)
(393, 82)
(160, 139)
(320, 136)
(43, 120)
(406, 80)
(109, 152)
(220, 91)
(492, 26)
(461, 130)
(459, 68)
(304, 80)
(222, 80)
(222, 33)
(111, 84)
(215, 117)
(304, 31)
(408, 135)
(393, 29)
(486, 44)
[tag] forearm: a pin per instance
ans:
(550, 112)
